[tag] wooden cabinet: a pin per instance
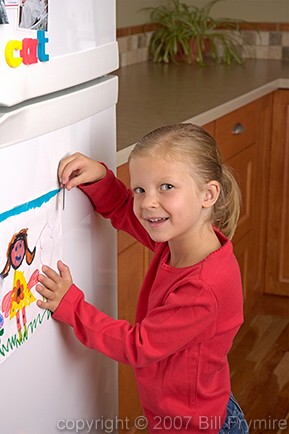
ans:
(243, 137)
(210, 127)
(277, 265)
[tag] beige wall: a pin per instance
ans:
(129, 14)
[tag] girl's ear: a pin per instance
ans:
(211, 194)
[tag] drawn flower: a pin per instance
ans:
(18, 292)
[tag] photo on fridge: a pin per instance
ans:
(3, 13)
(33, 14)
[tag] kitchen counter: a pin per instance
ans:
(152, 95)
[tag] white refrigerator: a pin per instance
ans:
(57, 96)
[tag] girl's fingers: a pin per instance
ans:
(79, 169)
(54, 281)
(46, 305)
(50, 273)
(64, 270)
(46, 293)
(70, 170)
(47, 283)
(65, 168)
(75, 181)
(53, 286)
(42, 304)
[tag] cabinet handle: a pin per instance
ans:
(238, 129)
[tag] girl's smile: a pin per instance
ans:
(156, 222)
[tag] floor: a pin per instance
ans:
(259, 361)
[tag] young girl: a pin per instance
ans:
(184, 205)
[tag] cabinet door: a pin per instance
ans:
(243, 137)
(131, 269)
(210, 127)
(243, 165)
(277, 267)
(242, 249)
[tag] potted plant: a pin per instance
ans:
(186, 32)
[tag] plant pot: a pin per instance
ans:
(193, 56)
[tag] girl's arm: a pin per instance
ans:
(108, 195)
(184, 320)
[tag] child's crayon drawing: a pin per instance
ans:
(30, 235)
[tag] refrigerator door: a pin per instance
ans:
(52, 383)
(77, 43)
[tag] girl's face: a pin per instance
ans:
(167, 200)
(17, 254)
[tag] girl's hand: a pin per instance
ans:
(79, 169)
(53, 286)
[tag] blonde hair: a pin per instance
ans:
(195, 147)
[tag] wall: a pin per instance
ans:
(276, 11)
(133, 31)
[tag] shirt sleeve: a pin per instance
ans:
(113, 200)
(181, 322)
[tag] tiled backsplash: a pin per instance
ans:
(271, 43)
(133, 48)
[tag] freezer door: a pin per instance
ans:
(74, 43)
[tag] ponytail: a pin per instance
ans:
(227, 208)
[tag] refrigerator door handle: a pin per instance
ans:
(45, 114)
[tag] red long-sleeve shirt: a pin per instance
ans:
(185, 323)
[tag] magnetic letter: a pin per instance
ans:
(42, 56)
(29, 51)
(11, 60)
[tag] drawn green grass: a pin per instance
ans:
(13, 342)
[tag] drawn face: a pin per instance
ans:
(17, 254)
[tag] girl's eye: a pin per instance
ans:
(165, 187)
(138, 190)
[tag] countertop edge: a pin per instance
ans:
(218, 111)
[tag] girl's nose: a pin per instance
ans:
(149, 201)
